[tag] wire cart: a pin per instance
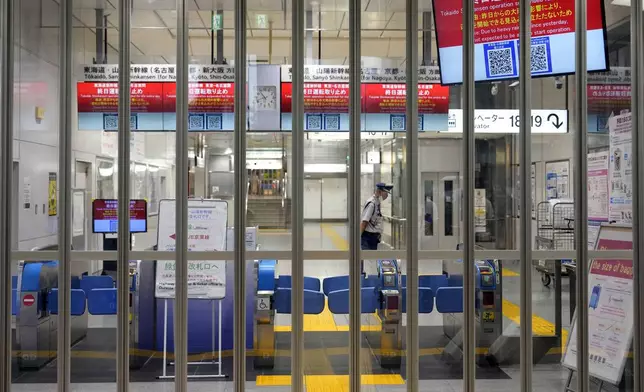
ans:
(555, 231)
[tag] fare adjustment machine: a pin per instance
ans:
(390, 311)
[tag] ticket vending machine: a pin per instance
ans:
(390, 312)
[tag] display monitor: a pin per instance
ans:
(496, 38)
(105, 216)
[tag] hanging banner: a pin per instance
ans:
(340, 74)
(207, 228)
(318, 97)
(609, 98)
(610, 310)
(104, 97)
(391, 98)
(203, 97)
(158, 73)
(620, 169)
(598, 185)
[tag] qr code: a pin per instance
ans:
(195, 122)
(110, 122)
(539, 58)
(332, 122)
(133, 122)
(214, 122)
(397, 122)
(314, 122)
(500, 62)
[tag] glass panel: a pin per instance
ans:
(430, 208)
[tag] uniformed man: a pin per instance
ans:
(371, 220)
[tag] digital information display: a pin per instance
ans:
(496, 38)
(105, 213)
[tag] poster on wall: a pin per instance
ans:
(610, 310)
(207, 228)
(52, 195)
(480, 223)
(496, 38)
(597, 184)
(558, 180)
(620, 169)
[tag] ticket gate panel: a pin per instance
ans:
(425, 300)
(78, 300)
(339, 301)
(313, 301)
(285, 281)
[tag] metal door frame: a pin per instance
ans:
(297, 253)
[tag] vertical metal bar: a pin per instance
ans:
(355, 285)
(65, 65)
(100, 34)
(297, 198)
(637, 88)
(581, 193)
(469, 342)
(241, 187)
(180, 309)
(411, 192)
(525, 147)
(6, 189)
(123, 257)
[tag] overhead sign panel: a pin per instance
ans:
(496, 38)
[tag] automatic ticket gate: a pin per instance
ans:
(35, 305)
(385, 296)
(273, 295)
(488, 305)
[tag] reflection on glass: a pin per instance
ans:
(429, 207)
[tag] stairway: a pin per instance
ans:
(267, 212)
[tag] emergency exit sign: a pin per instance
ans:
(217, 21)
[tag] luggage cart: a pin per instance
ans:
(555, 231)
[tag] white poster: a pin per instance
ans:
(78, 213)
(598, 185)
(26, 192)
(480, 223)
(207, 227)
(610, 310)
(558, 180)
(620, 170)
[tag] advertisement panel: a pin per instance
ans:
(610, 310)
(496, 38)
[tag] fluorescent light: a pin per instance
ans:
(514, 84)
(228, 151)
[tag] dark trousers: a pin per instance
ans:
(368, 241)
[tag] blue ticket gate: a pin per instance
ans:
(488, 306)
(35, 306)
(383, 294)
(273, 295)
